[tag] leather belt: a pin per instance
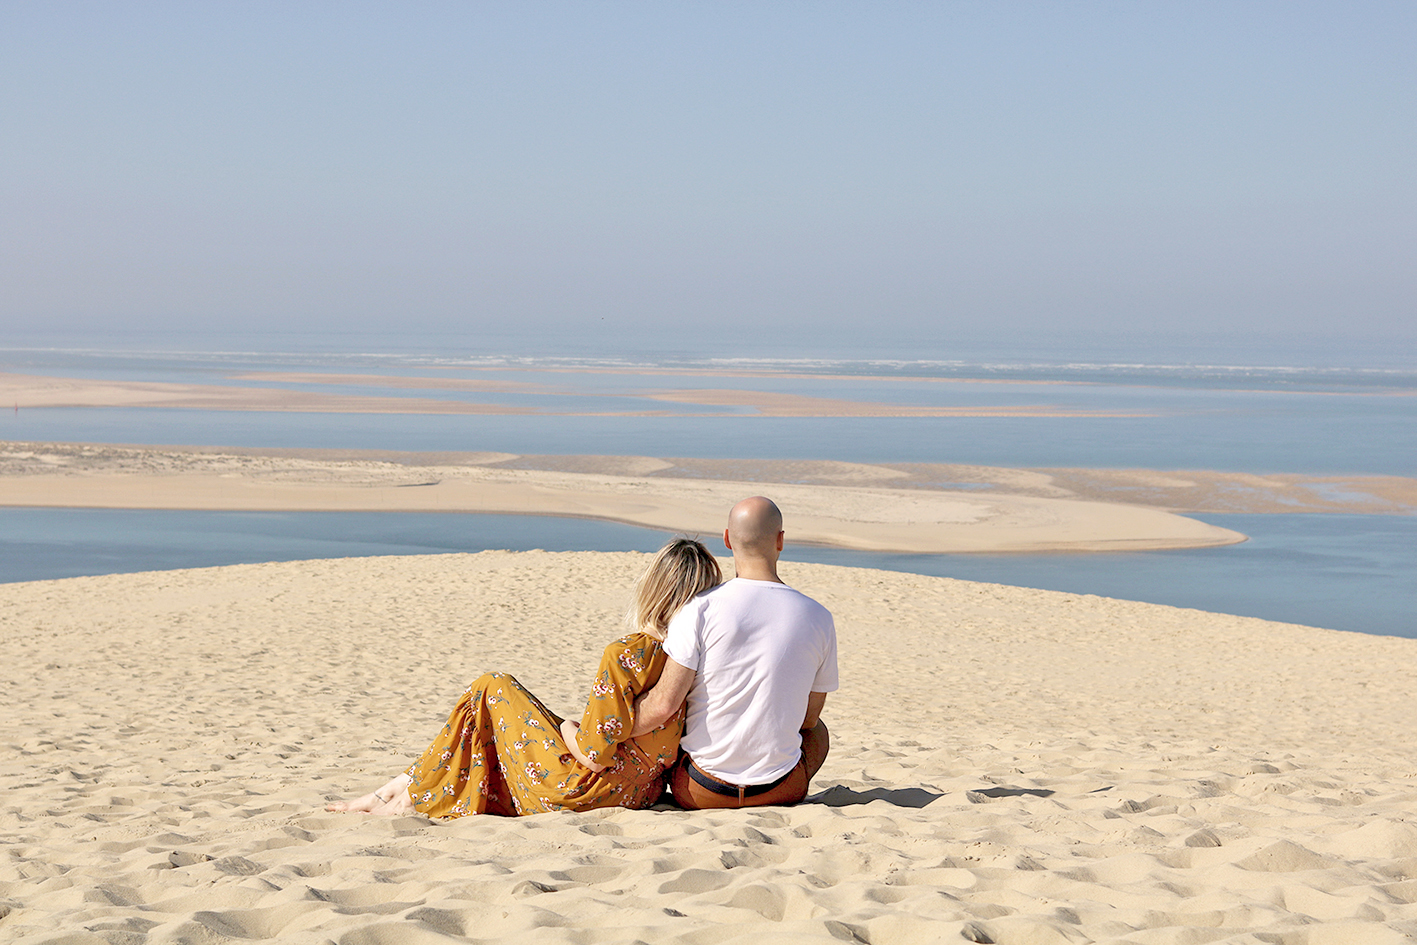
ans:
(726, 789)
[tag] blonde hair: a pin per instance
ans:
(679, 570)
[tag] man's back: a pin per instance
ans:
(758, 649)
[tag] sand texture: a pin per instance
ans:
(1010, 766)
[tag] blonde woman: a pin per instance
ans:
(503, 752)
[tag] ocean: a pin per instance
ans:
(1319, 416)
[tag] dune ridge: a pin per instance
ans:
(1009, 766)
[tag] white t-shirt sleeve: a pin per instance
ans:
(826, 678)
(683, 638)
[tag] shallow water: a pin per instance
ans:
(1340, 571)
(1344, 572)
(1273, 419)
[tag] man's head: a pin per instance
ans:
(754, 531)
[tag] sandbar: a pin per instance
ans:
(866, 517)
(28, 392)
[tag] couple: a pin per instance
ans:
(740, 668)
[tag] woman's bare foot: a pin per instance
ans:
(397, 806)
(388, 801)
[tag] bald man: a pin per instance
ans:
(755, 660)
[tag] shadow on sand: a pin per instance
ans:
(839, 795)
(984, 795)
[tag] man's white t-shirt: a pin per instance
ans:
(758, 649)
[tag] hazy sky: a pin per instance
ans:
(867, 170)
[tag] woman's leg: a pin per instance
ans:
(460, 772)
(392, 798)
(496, 728)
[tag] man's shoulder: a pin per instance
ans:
(816, 608)
(771, 593)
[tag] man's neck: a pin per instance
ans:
(756, 569)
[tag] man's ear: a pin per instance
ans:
(726, 543)
(779, 540)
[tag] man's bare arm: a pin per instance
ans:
(655, 707)
(815, 701)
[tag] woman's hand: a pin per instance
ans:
(568, 735)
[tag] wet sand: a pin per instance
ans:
(869, 515)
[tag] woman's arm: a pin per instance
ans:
(568, 735)
(627, 667)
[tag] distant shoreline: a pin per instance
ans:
(861, 510)
(1187, 491)
(27, 391)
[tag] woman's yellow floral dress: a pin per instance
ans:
(501, 751)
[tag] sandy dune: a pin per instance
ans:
(1011, 766)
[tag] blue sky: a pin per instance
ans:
(860, 173)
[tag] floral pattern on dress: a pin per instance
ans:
(501, 751)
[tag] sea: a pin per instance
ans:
(1323, 410)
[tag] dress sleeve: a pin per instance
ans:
(625, 671)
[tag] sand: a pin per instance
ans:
(1010, 765)
(27, 391)
(872, 517)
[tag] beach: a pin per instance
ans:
(353, 352)
(1008, 765)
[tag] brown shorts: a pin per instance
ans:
(694, 795)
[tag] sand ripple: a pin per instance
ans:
(1010, 766)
